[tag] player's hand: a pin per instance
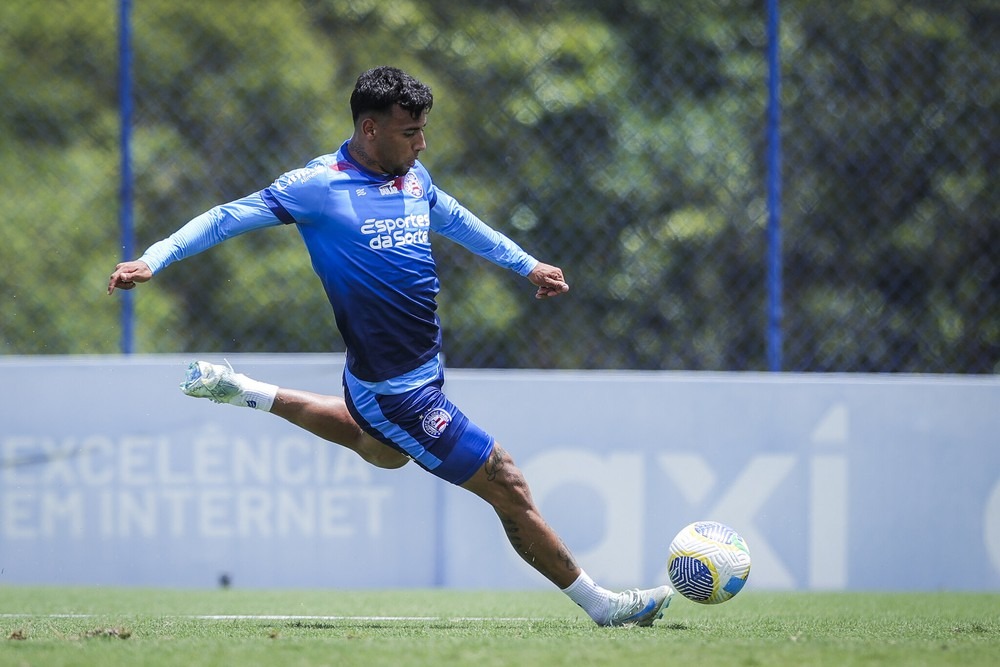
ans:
(128, 274)
(549, 280)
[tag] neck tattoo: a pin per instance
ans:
(362, 156)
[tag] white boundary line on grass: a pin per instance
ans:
(281, 617)
(266, 617)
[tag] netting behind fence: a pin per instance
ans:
(622, 141)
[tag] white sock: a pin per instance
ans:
(594, 599)
(256, 394)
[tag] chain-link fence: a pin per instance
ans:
(623, 141)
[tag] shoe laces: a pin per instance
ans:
(628, 602)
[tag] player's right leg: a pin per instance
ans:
(324, 416)
(328, 418)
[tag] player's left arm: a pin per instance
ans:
(549, 280)
(449, 218)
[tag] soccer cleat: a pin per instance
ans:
(636, 607)
(212, 381)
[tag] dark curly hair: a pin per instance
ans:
(378, 89)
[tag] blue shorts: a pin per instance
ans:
(424, 425)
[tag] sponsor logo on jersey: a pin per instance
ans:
(435, 422)
(388, 189)
(297, 176)
(395, 232)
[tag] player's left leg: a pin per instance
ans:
(438, 435)
(501, 484)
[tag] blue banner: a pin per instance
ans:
(110, 475)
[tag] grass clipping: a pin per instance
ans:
(120, 633)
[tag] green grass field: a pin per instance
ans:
(108, 626)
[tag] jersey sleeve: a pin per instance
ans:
(298, 196)
(210, 228)
(452, 220)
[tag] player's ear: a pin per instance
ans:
(368, 127)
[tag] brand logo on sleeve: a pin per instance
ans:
(409, 184)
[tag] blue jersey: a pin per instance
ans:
(368, 236)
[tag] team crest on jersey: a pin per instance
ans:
(435, 422)
(411, 185)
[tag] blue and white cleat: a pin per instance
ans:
(639, 607)
(214, 382)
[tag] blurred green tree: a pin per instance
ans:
(621, 140)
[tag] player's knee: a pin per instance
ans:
(389, 459)
(378, 454)
(512, 492)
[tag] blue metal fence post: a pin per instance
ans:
(774, 290)
(125, 220)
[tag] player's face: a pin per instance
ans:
(398, 140)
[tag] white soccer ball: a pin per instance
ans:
(708, 563)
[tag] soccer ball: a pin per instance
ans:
(708, 563)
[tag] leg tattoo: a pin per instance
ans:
(527, 522)
(494, 463)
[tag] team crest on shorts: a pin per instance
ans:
(411, 185)
(435, 422)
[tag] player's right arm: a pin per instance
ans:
(294, 197)
(127, 274)
(208, 229)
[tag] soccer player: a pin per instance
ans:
(365, 214)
